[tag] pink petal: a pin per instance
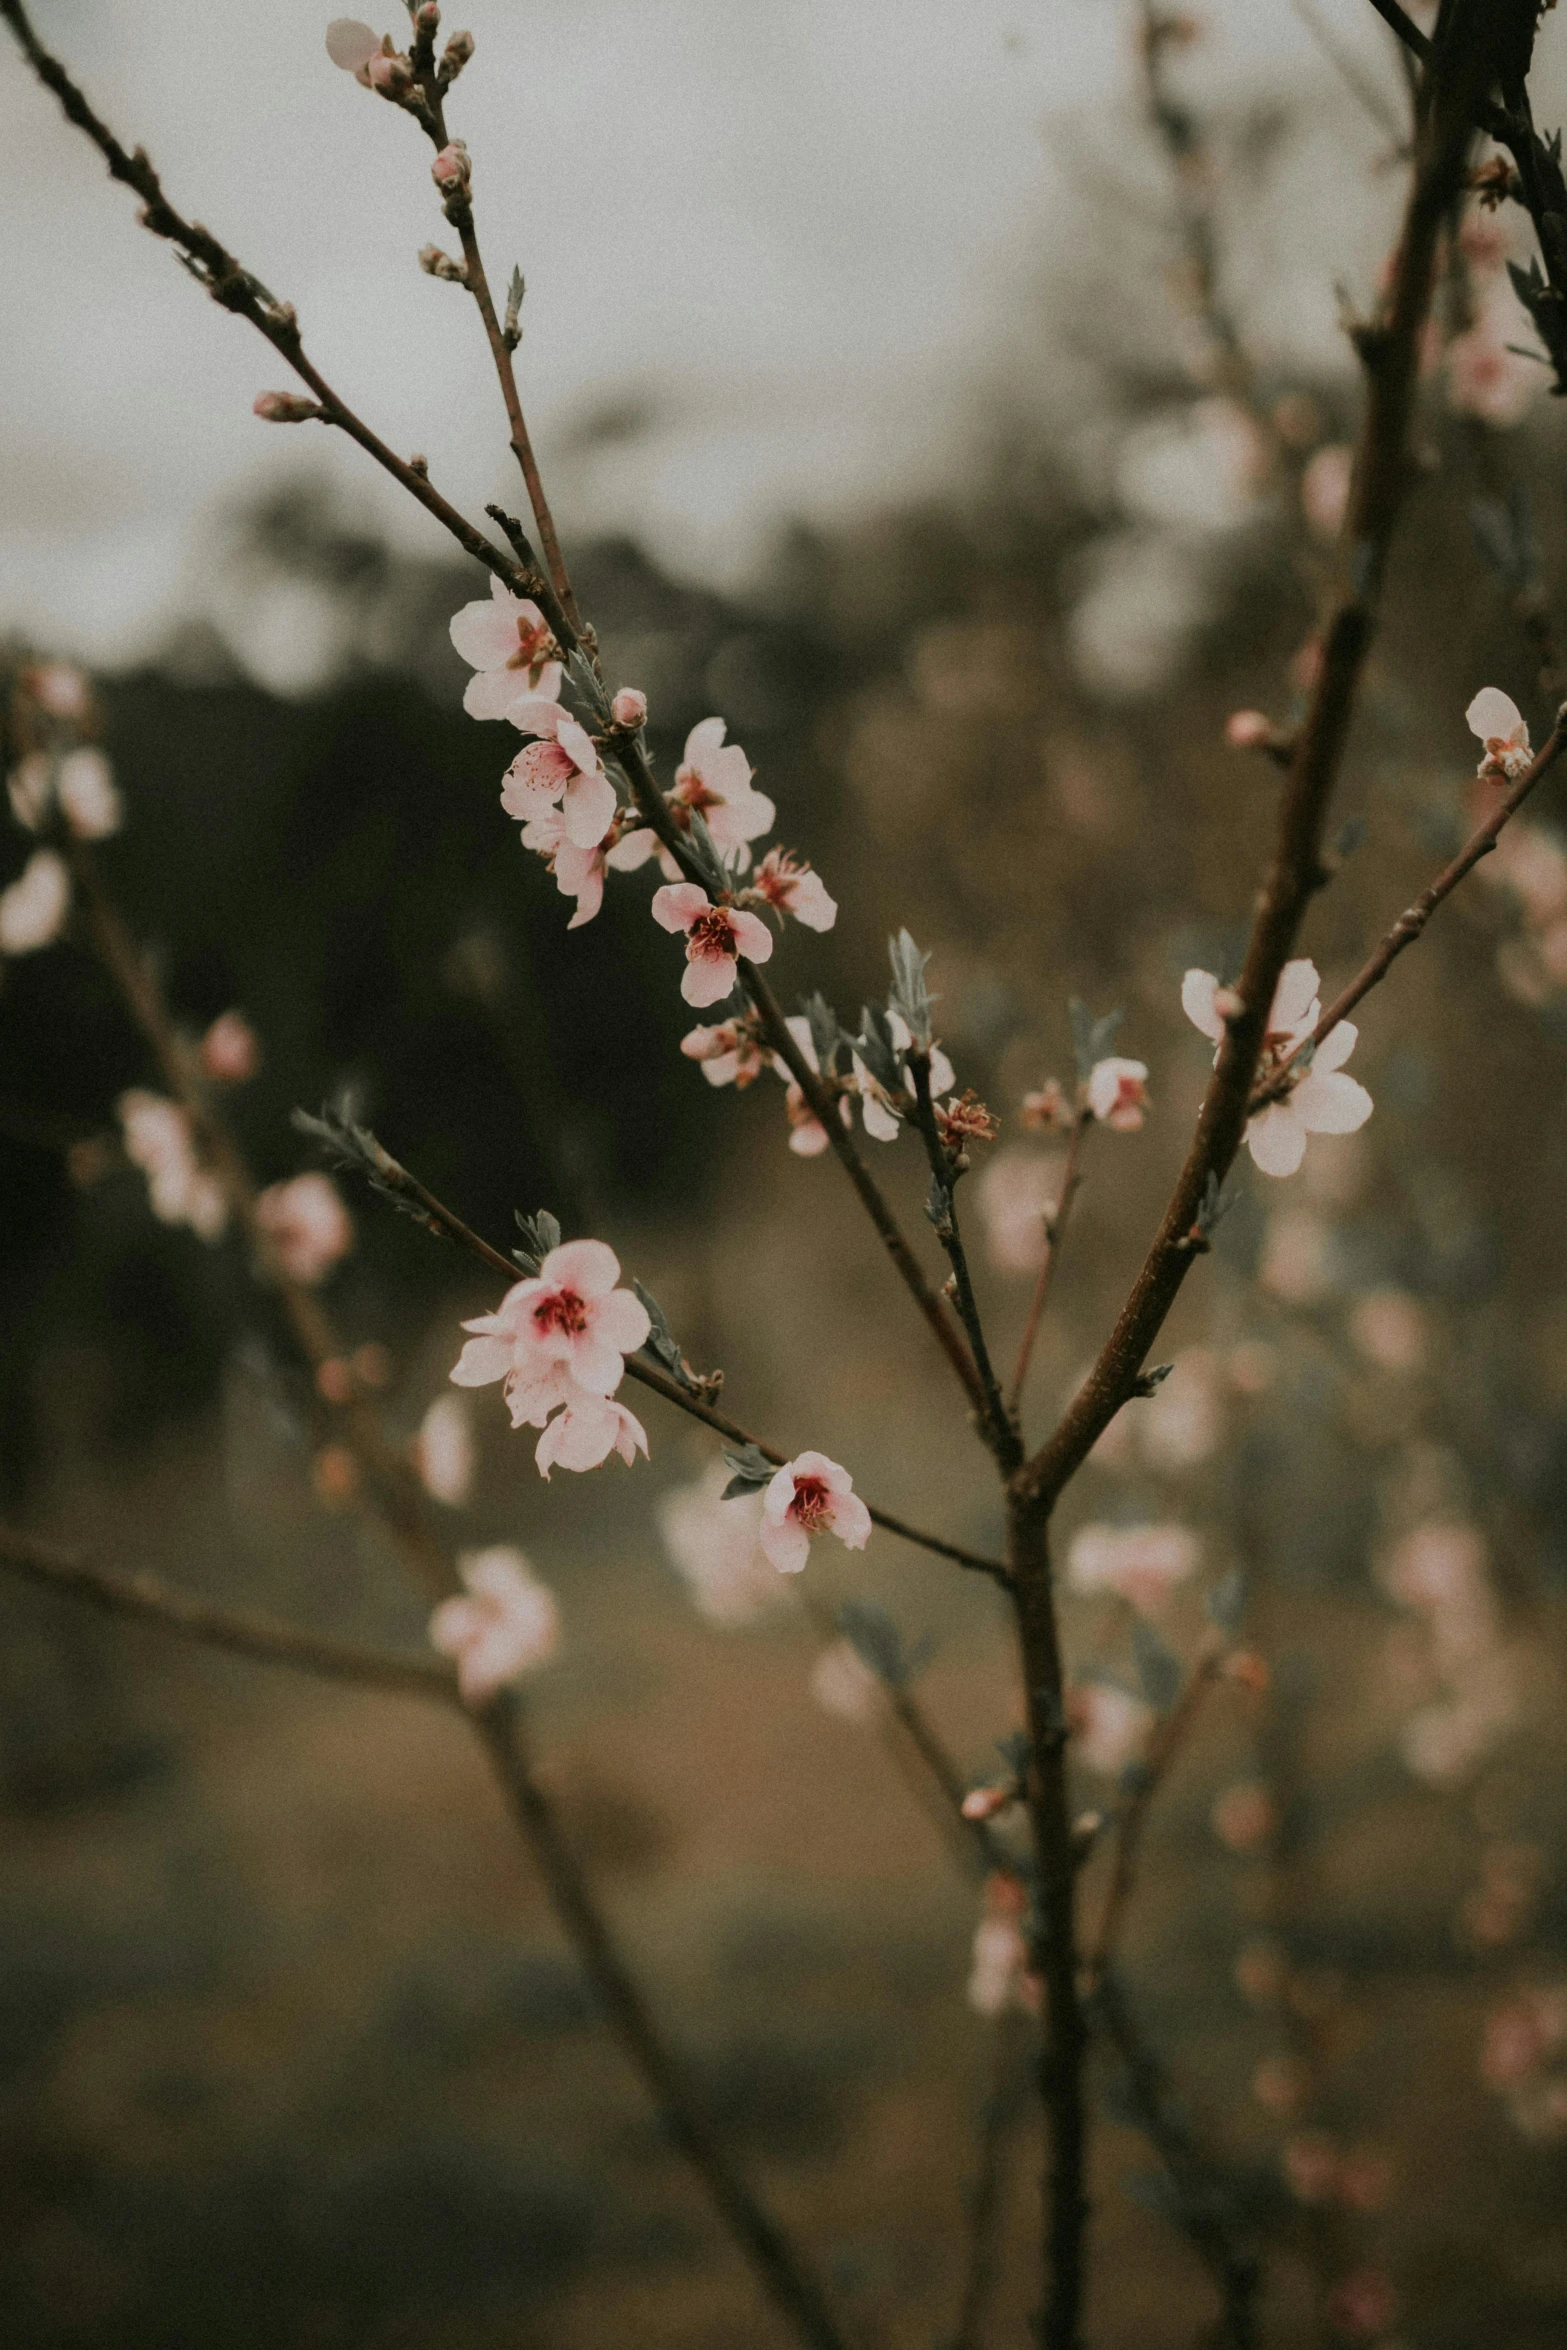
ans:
(1198, 990)
(485, 634)
(589, 894)
(531, 713)
(811, 905)
(581, 1438)
(702, 740)
(490, 693)
(1294, 996)
(709, 981)
(677, 906)
(634, 850)
(753, 937)
(590, 1267)
(1328, 1102)
(622, 1319)
(851, 1521)
(481, 1361)
(833, 1475)
(589, 807)
(351, 44)
(577, 744)
(786, 1544)
(1276, 1138)
(632, 1438)
(1492, 713)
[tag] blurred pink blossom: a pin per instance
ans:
(842, 1683)
(1118, 1094)
(33, 910)
(507, 1623)
(1244, 1816)
(158, 1141)
(1109, 1726)
(716, 1548)
(1014, 1193)
(443, 1452)
(1138, 1563)
(308, 1226)
(999, 1977)
(1324, 490)
(230, 1050)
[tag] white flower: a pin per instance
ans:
(1118, 1094)
(34, 908)
(1323, 1100)
(1496, 718)
(811, 1495)
(179, 1189)
(508, 1622)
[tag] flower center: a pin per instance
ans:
(690, 789)
(712, 935)
(560, 1310)
(812, 1503)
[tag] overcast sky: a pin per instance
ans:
(816, 235)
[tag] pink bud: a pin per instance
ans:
(629, 708)
(392, 76)
(1247, 730)
(435, 263)
(455, 56)
(231, 1049)
(451, 170)
(284, 408)
(1227, 1003)
(983, 1803)
(427, 16)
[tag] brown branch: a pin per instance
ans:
(1412, 922)
(244, 1631)
(996, 1424)
(1382, 477)
(1055, 1234)
(396, 1177)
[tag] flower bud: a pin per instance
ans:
(435, 263)
(629, 708)
(231, 1049)
(284, 408)
(451, 170)
(454, 57)
(427, 17)
(1247, 730)
(983, 1803)
(392, 76)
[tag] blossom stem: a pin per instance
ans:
(996, 1422)
(396, 1177)
(1055, 1234)
(244, 1631)
(1411, 923)
(1454, 85)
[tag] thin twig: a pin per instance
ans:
(1163, 1748)
(396, 1177)
(1004, 2105)
(1055, 1233)
(244, 1631)
(1382, 476)
(996, 1423)
(1411, 923)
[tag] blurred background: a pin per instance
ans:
(960, 409)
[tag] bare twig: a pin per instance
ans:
(1055, 1234)
(1004, 2106)
(996, 1424)
(1411, 923)
(243, 1631)
(396, 1177)
(1163, 1748)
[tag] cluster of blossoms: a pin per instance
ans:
(307, 1226)
(1529, 860)
(60, 786)
(1321, 1099)
(1523, 2059)
(558, 1343)
(572, 815)
(1110, 1725)
(158, 1140)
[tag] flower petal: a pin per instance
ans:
(590, 1267)
(1328, 1102)
(1198, 990)
(1335, 1048)
(589, 807)
(351, 44)
(676, 906)
(1276, 1138)
(1492, 713)
(481, 1361)
(709, 981)
(851, 1521)
(1294, 996)
(752, 936)
(622, 1319)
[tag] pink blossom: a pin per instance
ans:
(716, 936)
(1244, 1816)
(284, 408)
(1248, 730)
(585, 1434)
(30, 787)
(89, 801)
(882, 1112)
(1388, 1327)
(730, 1054)
(1324, 490)
(568, 1319)
(811, 1495)
(1532, 863)
(579, 873)
(808, 1137)
(351, 45)
(1118, 1094)
(562, 767)
(443, 1452)
(1299, 1258)
(507, 644)
(1048, 1111)
(794, 889)
(508, 1622)
(714, 780)
(60, 689)
(308, 1226)
(1496, 718)
(1109, 1726)
(452, 170)
(715, 1547)
(1000, 1978)
(1485, 378)
(1323, 1100)
(158, 1141)
(34, 908)
(629, 708)
(1138, 1563)
(231, 1049)
(842, 1683)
